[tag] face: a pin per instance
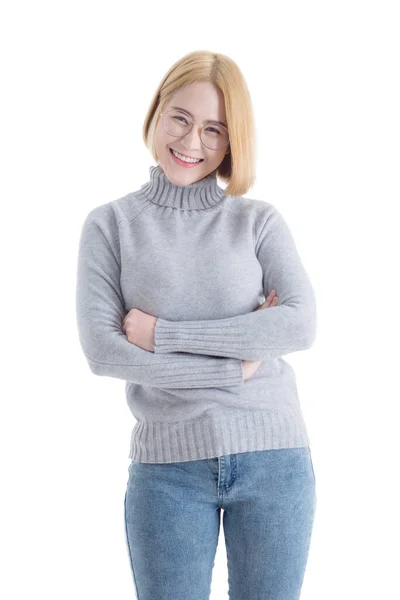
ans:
(205, 102)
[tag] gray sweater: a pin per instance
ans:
(201, 262)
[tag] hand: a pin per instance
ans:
(251, 366)
(138, 327)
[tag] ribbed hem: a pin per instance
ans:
(223, 434)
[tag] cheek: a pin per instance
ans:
(161, 138)
(215, 159)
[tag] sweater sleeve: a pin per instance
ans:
(263, 334)
(100, 311)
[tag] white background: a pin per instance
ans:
(77, 79)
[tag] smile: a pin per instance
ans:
(185, 158)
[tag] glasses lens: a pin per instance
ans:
(178, 124)
(214, 136)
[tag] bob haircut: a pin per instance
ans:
(237, 169)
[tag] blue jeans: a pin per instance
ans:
(172, 521)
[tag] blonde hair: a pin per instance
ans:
(237, 169)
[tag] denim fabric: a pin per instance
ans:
(172, 521)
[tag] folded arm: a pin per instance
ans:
(263, 334)
(100, 311)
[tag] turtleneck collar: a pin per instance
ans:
(201, 194)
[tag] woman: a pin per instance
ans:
(170, 279)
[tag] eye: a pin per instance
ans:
(214, 130)
(180, 117)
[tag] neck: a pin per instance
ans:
(201, 194)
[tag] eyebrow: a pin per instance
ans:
(189, 113)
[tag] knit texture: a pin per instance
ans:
(201, 262)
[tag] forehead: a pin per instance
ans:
(184, 111)
(202, 100)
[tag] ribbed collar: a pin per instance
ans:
(204, 193)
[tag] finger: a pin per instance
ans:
(265, 304)
(271, 295)
(271, 301)
(269, 298)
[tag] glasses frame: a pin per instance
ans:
(199, 129)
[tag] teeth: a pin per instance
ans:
(184, 158)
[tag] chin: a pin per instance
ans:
(180, 176)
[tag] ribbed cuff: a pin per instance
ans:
(214, 372)
(203, 337)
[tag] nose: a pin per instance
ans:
(192, 139)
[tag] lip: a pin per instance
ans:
(195, 157)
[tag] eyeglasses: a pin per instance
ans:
(212, 135)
